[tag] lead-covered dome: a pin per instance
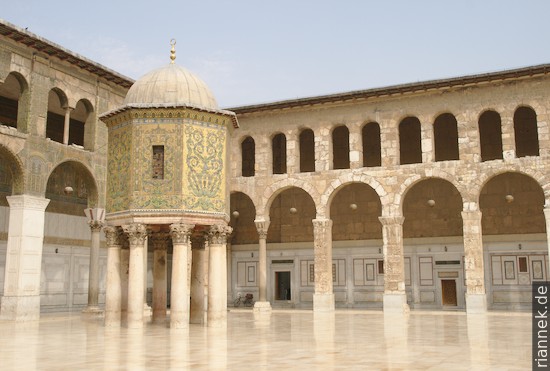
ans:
(171, 85)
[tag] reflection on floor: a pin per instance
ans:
(362, 340)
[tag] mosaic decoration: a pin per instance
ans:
(204, 187)
(118, 179)
(150, 192)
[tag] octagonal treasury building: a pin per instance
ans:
(427, 195)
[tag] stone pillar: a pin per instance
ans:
(323, 298)
(292, 153)
(508, 136)
(199, 281)
(547, 219)
(113, 298)
(217, 275)
(159, 241)
(179, 294)
(137, 234)
(395, 297)
(66, 124)
(21, 299)
(262, 304)
(476, 299)
(147, 311)
(93, 278)
(229, 271)
(355, 147)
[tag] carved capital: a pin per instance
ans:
(181, 232)
(262, 226)
(95, 225)
(198, 241)
(391, 220)
(217, 235)
(113, 236)
(159, 240)
(136, 233)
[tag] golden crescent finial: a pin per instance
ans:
(173, 51)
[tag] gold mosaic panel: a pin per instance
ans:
(151, 193)
(204, 183)
(119, 164)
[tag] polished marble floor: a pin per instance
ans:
(282, 340)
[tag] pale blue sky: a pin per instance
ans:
(261, 51)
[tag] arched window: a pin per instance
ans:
(525, 130)
(490, 136)
(55, 120)
(79, 117)
(340, 147)
(10, 94)
(446, 137)
(372, 150)
(248, 156)
(278, 144)
(410, 149)
(307, 151)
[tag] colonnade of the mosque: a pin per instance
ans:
(198, 283)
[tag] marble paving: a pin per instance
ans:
(282, 340)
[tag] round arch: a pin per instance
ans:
(273, 191)
(242, 216)
(13, 164)
(337, 184)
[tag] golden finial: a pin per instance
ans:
(173, 50)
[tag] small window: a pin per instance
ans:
(522, 260)
(158, 162)
(380, 267)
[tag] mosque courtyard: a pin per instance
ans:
(282, 340)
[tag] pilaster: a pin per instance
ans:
(395, 298)
(323, 298)
(21, 298)
(476, 300)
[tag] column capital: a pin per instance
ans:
(27, 202)
(159, 240)
(96, 225)
(136, 233)
(218, 234)
(262, 226)
(113, 236)
(181, 232)
(391, 220)
(198, 241)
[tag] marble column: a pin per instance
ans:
(217, 275)
(229, 270)
(67, 124)
(93, 277)
(395, 297)
(262, 304)
(124, 274)
(137, 234)
(179, 294)
(113, 294)
(199, 281)
(476, 299)
(323, 298)
(159, 240)
(21, 298)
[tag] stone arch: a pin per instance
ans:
(526, 131)
(247, 150)
(408, 183)
(55, 118)
(14, 165)
(273, 191)
(78, 176)
(483, 178)
(436, 205)
(342, 181)
(242, 215)
(14, 99)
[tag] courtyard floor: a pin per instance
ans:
(282, 340)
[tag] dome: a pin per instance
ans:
(171, 85)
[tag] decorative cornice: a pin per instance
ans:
(217, 235)
(136, 234)
(181, 233)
